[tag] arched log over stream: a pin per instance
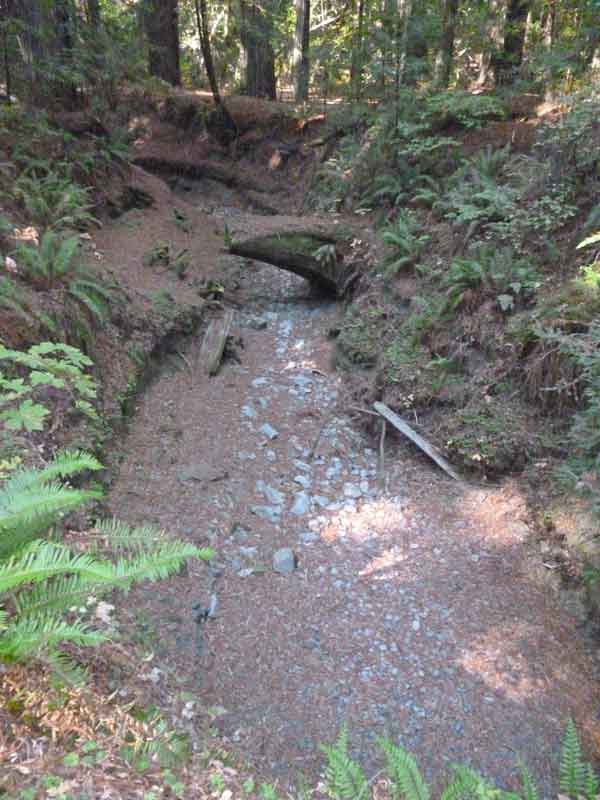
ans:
(313, 255)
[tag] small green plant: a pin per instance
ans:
(40, 579)
(407, 241)
(345, 779)
(159, 254)
(53, 201)
(51, 262)
(46, 377)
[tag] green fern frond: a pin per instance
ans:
(345, 778)
(44, 560)
(530, 790)
(53, 596)
(65, 669)
(469, 785)
(26, 514)
(66, 464)
(121, 537)
(24, 638)
(572, 766)
(161, 563)
(407, 781)
(592, 785)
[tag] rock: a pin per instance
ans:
(308, 537)
(248, 412)
(269, 431)
(303, 481)
(302, 465)
(284, 561)
(321, 500)
(201, 472)
(301, 504)
(257, 323)
(270, 513)
(352, 490)
(260, 382)
(274, 496)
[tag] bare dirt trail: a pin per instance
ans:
(410, 612)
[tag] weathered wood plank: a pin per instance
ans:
(416, 438)
(213, 344)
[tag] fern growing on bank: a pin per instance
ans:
(41, 578)
(345, 779)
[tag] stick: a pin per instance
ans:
(381, 465)
(414, 437)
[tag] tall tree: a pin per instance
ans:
(92, 8)
(225, 126)
(161, 21)
(508, 62)
(301, 50)
(256, 36)
(357, 63)
(445, 56)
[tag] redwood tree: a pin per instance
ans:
(301, 48)
(161, 22)
(256, 36)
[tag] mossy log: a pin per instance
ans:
(313, 255)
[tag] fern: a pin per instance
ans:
(407, 781)
(530, 790)
(45, 578)
(344, 778)
(573, 771)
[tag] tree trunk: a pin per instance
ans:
(443, 66)
(495, 27)
(404, 12)
(162, 29)
(93, 13)
(256, 35)
(357, 64)
(301, 46)
(222, 124)
(508, 63)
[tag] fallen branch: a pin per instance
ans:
(214, 342)
(416, 438)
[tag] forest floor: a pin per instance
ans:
(410, 606)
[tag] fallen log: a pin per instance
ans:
(404, 428)
(214, 343)
(311, 254)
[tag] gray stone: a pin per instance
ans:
(301, 504)
(248, 412)
(260, 382)
(269, 431)
(284, 561)
(303, 481)
(274, 496)
(270, 513)
(302, 465)
(308, 537)
(352, 490)
(257, 323)
(321, 500)
(201, 472)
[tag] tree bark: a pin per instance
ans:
(93, 13)
(223, 125)
(301, 50)
(162, 29)
(256, 35)
(357, 64)
(443, 67)
(495, 27)
(508, 62)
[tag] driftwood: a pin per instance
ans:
(311, 254)
(414, 437)
(214, 342)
